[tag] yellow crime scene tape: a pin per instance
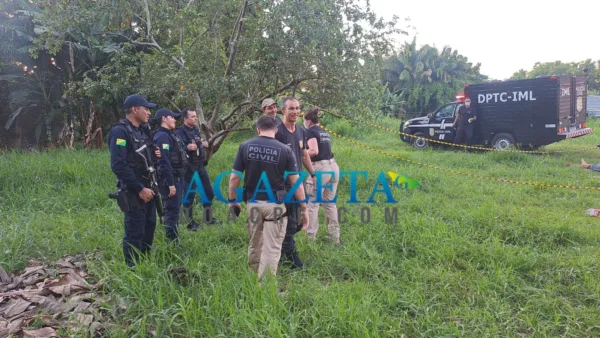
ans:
(449, 143)
(534, 184)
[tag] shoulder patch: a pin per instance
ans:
(121, 142)
(165, 146)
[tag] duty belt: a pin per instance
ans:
(179, 172)
(325, 161)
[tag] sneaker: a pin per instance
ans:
(294, 260)
(193, 226)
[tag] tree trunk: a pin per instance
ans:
(90, 122)
(99, 140)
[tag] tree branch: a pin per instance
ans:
(148, 22)
(188, 4)
(239, 24)
(181, 45)
(227, 131)
(233, 45)
(288, 85)
(173, 103)
(238, 107)
(150, 37)
(212, 25)
(152, 45)
(201, 123)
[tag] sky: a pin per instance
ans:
(503, 35)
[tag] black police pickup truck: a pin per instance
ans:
(529, 113)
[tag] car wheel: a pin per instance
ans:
(503, 141)
(420, 144)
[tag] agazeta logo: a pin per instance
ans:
(381, 186)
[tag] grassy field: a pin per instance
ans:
(467, 257)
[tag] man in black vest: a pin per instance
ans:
(264, 163)
(196, 150)
(136, 199)
(171, 167)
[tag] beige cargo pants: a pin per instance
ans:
(330, 209)
(266, 229)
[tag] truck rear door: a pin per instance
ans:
(564, 104)
(572, 106)
(580, 101)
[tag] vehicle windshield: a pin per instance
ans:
(446, 111)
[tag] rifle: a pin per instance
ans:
(153, 183)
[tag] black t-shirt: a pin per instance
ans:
(323, 142)
(263, 154)
(464, 114)
(296, 141)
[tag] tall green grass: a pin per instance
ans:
(467, 257)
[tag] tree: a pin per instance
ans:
(33, 85)
(426, 77)
(586, 67)
(225, 56)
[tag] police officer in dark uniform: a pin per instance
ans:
(135, 199)
(465, 121)
(296, 137)
(264, 161)
(319, 150)
(171, 167)
(196, 150)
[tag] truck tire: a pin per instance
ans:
(503, 141)
(420, 143)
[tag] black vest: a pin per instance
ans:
(177, 155)
(136, 140)
(197, 157)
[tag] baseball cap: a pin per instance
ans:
(267, 102)
(137, 100)
(165, 112)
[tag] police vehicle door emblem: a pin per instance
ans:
(579, 103)
(431, 131)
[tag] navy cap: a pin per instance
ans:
(165, 112)
(137, 100)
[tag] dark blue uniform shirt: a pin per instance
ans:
(120, 146)
(182, 132)
(169, 149)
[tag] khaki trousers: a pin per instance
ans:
(265, 235)
(331, 213)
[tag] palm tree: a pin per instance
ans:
(426, 78)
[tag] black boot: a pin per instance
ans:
(193, 226)
(293, 259)
(171, 232)
(208, 217)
